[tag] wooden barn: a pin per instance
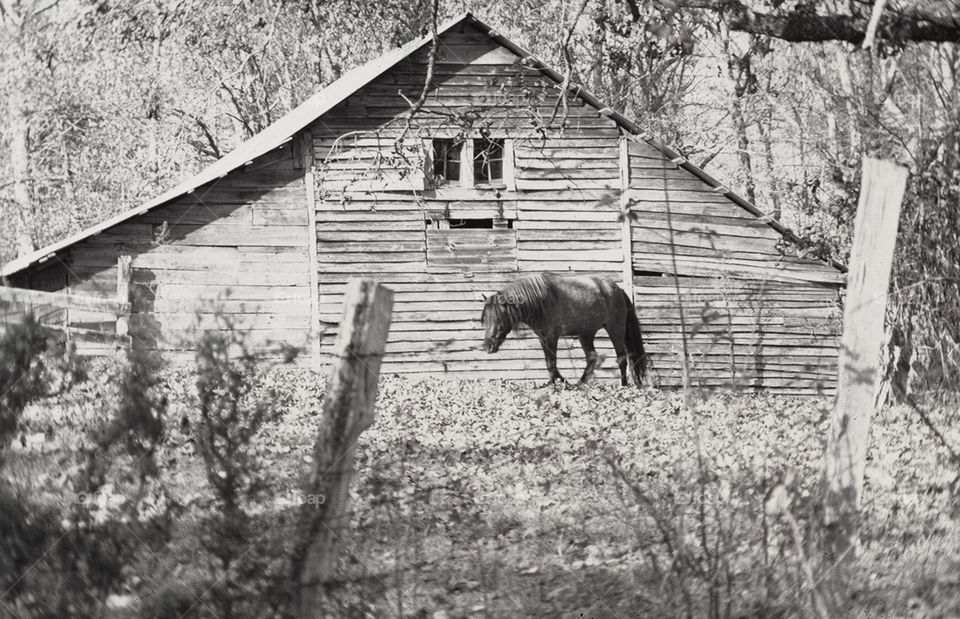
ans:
(500, 172)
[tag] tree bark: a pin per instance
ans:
(854, 121)
(916, 24)
(735, 102)
(19, 127)
(771, 173)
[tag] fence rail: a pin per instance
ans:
(76, 316)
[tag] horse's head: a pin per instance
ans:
(496, 322)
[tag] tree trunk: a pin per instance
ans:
(735, 103)
(154, 101)
(19, 136)
(771, 173)
(854, 145)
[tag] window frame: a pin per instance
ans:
(480, 160)
(467, 153)
(450, 145)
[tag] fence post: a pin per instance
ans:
(874, 238)
(123, 296)
(347, 411)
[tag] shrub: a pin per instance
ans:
(232, 411)
(63, 558)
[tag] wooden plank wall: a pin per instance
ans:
(753, 317)
(564, 213)
(239, 243)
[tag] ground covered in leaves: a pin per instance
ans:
(480, 498)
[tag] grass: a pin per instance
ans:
(479, 498)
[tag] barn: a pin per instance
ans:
(502, 170)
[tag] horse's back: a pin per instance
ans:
(584, 303)
(582, 284)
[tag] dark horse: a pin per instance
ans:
(555, 305)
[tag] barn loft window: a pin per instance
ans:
(473, 162)
(446, 158)
(473, 223)
(487, 160)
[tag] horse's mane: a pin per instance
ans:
(526, 299)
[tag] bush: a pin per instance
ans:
(32, 364)
(64, 556)
(232, 411)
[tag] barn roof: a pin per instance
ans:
(283, 130)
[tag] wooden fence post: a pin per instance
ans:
(874, 238)
(347, 411)
(123, 297)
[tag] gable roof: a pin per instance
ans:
(283, 130)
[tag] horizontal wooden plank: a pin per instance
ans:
(570, 266)
(600, 238)
(714, 247)
(252, 275)
(554, 163)
(525, 184)
(370, 247)
(686, 265)
(525, 152)
(569, 224)
(584, 255)
(567, 246)
(571, 215)
(235, 236)
(327, 257)
(701, 225)
(664, 283)
(162, 291)
(179, 321)
(349, 237)
(230, 306)
(63, 300)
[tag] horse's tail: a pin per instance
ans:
(634, 341)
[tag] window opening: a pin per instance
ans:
(446, 158)
(487, 160)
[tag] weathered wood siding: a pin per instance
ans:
(753, 317)
(237, 246)
(374, 221)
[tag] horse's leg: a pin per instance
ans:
(617, 338)
(549, 342)
(590, 352)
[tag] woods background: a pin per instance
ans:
(107, 103)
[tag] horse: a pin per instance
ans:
(564, 305)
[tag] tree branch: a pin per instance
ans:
(918, 24)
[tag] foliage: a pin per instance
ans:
(87, 540)
(32, 365)
(232, 412)
(498, 498)
(138, 423)
(926, 279)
